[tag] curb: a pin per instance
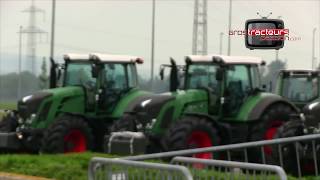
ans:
(12, 176)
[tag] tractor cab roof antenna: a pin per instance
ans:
(264, 17)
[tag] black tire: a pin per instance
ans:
(8, 123)
(273, 117)
(67, 134)
(181, 135)
(125, 123)
(291, 129)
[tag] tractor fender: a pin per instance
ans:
(223, 129)
(266, 102)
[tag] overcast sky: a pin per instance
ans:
(124, 27)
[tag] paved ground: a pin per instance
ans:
(11, 176)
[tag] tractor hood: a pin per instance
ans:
(311, 114)
(30, 104)
(164, 106)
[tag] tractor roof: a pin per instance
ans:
(300, 71)
(104, 58)
(225, 59)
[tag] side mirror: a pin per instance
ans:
(219, 74)
(265, 34)
(161, 73)
(95, 71)
(174, 79)
(53, 73)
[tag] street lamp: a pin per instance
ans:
(152, 40)
(19, 63)
(313, 58)
(277, 51)
(220, 46)
(52, 28)
(229, 27)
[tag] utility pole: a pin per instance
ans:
(0, 52)
(313, 58)
(220, 46)
(153, 40)
(199, 37)
(229, 27)
(53, 18)
(19, 63)
(277, 50)
(32, 32)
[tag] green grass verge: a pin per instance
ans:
(8, 105)
(70, 166)
(61, 167)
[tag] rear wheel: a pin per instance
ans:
(291, 129)
(273, 118)
(192, 132)
(68, 134)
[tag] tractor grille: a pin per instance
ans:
(31, 106)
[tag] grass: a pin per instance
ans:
(61, 167)
(69, 167)
(8, 105)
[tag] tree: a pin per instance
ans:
(43, 78)
(269, 76)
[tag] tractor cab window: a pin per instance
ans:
(202, 75)
(237, 86)
(78, 74)
(300, 89)
(255, 76)
(115, 75)
(132, 76)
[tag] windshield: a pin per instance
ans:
(78, 74)
(300, 89)
(201, 75)
(120, 76)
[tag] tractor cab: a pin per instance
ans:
(299, 86)
(105, 78)
(229, 80)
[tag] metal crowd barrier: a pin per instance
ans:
(119, 169)
(218, 169)
(295, 144)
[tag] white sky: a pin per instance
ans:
(124, 27)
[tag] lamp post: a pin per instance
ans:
(277, 51)
(313, 58)
(53, 18)
(19, 63)
(229, 27)
(152, 40)
(220, 45)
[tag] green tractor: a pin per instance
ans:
(221, 103)
(300, 86)
(95, 91)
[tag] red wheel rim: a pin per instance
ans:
(75, 141)
(200, 139)
(269, 134)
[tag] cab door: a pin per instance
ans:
(237, 87)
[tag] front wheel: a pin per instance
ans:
(68, 134)
(273, 118)
(289, 156)
(192, 132)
